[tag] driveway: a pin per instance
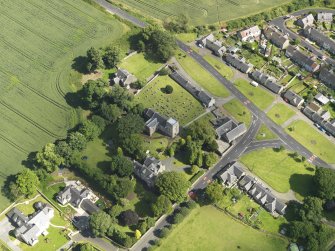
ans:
(5, 228)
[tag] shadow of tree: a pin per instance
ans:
(79, 64)
(302, 184)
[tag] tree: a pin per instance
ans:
(161, 206)
(300, 229)
(121, 97)
(129, 124)
(89, 129)
(121, 166)
(129, 218)
(48, 158)
(311, 209)
(134, 146)
(194, 169)
(93, 92)
(201, 130)
(110, 112)
(168, 89)
(94, 59)
(214, 192)
(77, 141)
(193, 152)
(210, 159)
(179, 24)
(173, 185)
(25, 184)
(142, 226)
(64, 150)
(86, 247)
(99, 121)
(138, 234)
(159, 44)
(100, 222)
(111, 57)
(324, 180)
(115, 211)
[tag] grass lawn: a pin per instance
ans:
(257, 95)
(140, 66)
(156, 144)
(254, 59)
(280, 113)
(186, 37)
(207, 228)
(264, 133)
(236, 109)
(38, 58)
(180, 104)
(201, 76)
(221, 67)
(199, 12)
(313, 140)
(281, 171)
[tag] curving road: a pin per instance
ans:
(281, 23)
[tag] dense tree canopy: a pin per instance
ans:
(121, 166)
(129, 218)
(214, 192)
(162, 206)
(77, 141)
(89, 129)
(100, 223)
(93, 93)
(25, 184)
(311, 209)
(94, 59)
(111, 57)
(48, 158)
(110, 112)
(324, 180)
(129, 124)
(173, 185)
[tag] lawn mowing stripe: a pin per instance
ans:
(155, 8)
(190, 3)
(60, 48)
(31, 121)
(13, 144)
(63, 107)
(58, 87)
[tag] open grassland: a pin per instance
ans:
(313, 140)
(206, 229)
(201, 11)
(139, 66)
(280, 170)
(39, 40)
(221, 67)
(280, 113)
(257, 95)
(236, 109)
(180, 104)
(264, 133)
(202, 77)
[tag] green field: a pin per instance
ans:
(201, 11)
(264, 133)
(207, 228)
(139, 66)
(236, 109)
(39, 42)
(280, 170)
(312, 139)
(180, 104)
(221, 67)
(280, 113)
(201, 76)
(257, 95)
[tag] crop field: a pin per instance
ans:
(201, 11)
(38, 44)
(180, 104)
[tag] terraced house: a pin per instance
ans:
(320, 39)
(301, 59)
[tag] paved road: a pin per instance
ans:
(275, 143)
(280, 22)
(5, 228)
(99, 242)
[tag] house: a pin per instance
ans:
(124, 78)
(246, 182)
(214, 45)
(276, 38)
(301, 59)
(320, 118)
(149, 170)
(305, 21)
(314, 107)
(325, 17)
(228, 130)
(320, 39)
(293, 98)
(323, 100)
(325, 115)
(249, 34)
(267, 81)
(29, 229)
(232, 50)
(238, 63)
(327, 77)
(157, 122)
(231, 175)
(204, 98)
(77, 198)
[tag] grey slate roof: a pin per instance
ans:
(306, 21)
(321, 98)
(267, 81)
(320, 39)
(238, 63)
(327, 77)
(293, 98)
(228, 130)
(149, 170)
(276, 38)
(325, 17)
(232, 174)
(246, 182)
(17, 217)
(301, 59)
(202, 96)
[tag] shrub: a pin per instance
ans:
(178, 218)
(191, 204)
(164, 232)
(165, 71)
(168, 89)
